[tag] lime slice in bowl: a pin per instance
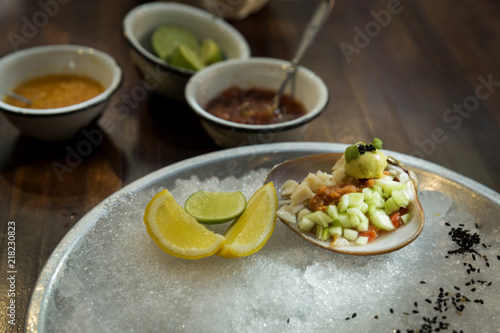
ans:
(210, 52)
(166, 39)
(215, 207)
(186, 57)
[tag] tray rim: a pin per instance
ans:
(57, 260)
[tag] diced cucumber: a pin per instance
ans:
(368, 193)
(406, 218)
(354, 221)
(320, 217)
(401, 197)
(345, 220)
(357, 212)
(391, 186)
(343, 204)
(325, 235)
(335, 223)
(363, 226)
(377, 188)
(319, 231)
(353, 211)
(306, 225)
(361, 240)
(376, 200)
(364, 208)
(350, 234)
(380, 219)
(372, 209)
(356, 199)
(333, 211)
(391, 206)
(335, 230)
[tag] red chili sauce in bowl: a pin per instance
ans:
(254, 106)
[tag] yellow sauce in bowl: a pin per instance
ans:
(56, 91)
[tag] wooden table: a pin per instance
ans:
(424, 76)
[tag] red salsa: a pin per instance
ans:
(254, 106)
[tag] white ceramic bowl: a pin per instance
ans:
(159, 76)
(263, 73)
(58, 123)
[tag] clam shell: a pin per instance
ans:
(297, 169)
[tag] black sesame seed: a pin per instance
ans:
(428, 300)
(354, 315)
(376, 317)
(423, 282)
(391, 310)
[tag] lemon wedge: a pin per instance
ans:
(215, 207)
(176, 232)
(253, 228)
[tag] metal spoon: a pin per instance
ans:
(316, 22)
(16, 96)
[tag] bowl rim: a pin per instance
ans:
(154, 6)
(257, 61)
(71, 109)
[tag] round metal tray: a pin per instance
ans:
(107, 275)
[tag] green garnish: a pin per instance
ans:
(351, 153)
(354, 151)
(377, 143)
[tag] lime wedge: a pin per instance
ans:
(210, 52)
(215, 207)
(166, 39)
(186, 57)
